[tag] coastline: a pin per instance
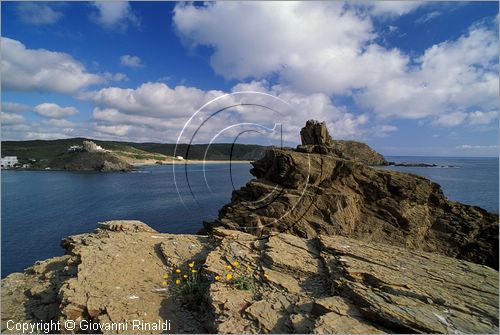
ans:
(143, 163)
(334, 270)
(189, 162)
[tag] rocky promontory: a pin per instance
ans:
(320, 242)
(316, 139)
(315, 191)
(90, 161)
(279, 284)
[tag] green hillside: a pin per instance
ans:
(49, 150)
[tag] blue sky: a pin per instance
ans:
(408, 78)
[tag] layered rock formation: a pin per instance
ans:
(311, 192)
(316, 139)
(326, 284)
(316, 244)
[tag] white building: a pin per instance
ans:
(180, 158)
(8, 161)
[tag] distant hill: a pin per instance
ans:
(52, 149)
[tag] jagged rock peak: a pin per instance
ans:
(315, 133)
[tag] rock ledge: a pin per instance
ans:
(326, 284)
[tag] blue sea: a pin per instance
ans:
(39, 208)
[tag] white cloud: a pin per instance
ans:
(114, 116)
(157, 111)
(9, 118)
(131, 61)
(451, 119)
(475, 147)
(51, 110)
(341, 58)
(393, 29)
(478, 117)
(59, 123)
(15, 107)
(115, 15)
(470, 119)
(454, 75)
(382, 130)
(344, 59)
(37, 13)
(115, 76)
(243, 46)
(428, 17)
(118, 130)
(153, 99)
(391, 8)
(42, 70)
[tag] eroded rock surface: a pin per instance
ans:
(327, 284)
(307, 194)
(316, 139)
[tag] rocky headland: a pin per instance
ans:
(315, 191)
(320, 242)
(91, 161)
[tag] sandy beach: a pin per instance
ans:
(181, 162)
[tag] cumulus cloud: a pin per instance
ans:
(451, 119)
(163, 111)
(115, 15)
(478, 117)
(345, 59)
(450, 76)
(42, 70)
(51, 110)
(60, 123)
(243, 46)
(153, 99)
(117, 130)
(390, 8)
(37, 13)
(15, 107)
(9, 118)
(131, 61)
(340, 58)
(40, 131)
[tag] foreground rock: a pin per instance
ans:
(307, 194)
(327, 284)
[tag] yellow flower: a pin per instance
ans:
(235, 263)
(228, 267)
(194, 271)
(265, 275)
(165, 276)
(185, 276)
(217, 278)
(229, 276)
(177, 271)
(164, 283)
(178, 281)
(191, 264)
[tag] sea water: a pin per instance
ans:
(39, 208)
